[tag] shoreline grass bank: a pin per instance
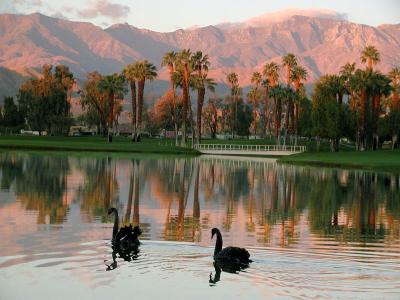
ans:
(381, 160)
(91, 144)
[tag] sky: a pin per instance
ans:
(169, 15)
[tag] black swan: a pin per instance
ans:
(127, 236)
(229, 256)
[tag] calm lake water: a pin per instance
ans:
(313, 233)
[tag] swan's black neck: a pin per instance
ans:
(116, 224)
(218, 244)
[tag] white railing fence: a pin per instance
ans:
(230, 147)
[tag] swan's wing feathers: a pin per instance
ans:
(124, 232)
(235, 252)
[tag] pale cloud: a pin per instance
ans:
(28, 2)
(105, 8)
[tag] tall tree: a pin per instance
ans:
(184, 61)
(256, 80)
(113, 85)
(201, 83)
(346, 73)
(277, 93)
(298, 75)
(394, 76)
(233, 80)
(66, 78)
(252, 97)
(370, 86)
(271, 72)
(94, 102)
(169, 60)
(271, 75)
(145, 71)
(210, 115)
(44, 102)
(200, 65)
(11, 116)
(131, 74)
(371, 56)
(289, 61)
(379, 86)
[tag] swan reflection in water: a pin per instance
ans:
(229, 259)
(228, 268)
(125, 243)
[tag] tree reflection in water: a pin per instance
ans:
(39, 183)
(183, 197)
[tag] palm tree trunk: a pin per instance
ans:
(278, 117)
(111, 116)
(377, 100)
(133, 92)
(363, 116)
(255, 116)
(233, 112)
(395, 101)
(185, 91)
(174, 113)
(200, 101)
(141, 84)
(215, 123)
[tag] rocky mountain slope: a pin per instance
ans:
(321, 43)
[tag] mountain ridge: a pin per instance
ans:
(322, 45)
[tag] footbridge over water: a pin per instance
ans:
(253, 150)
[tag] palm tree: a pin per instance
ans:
(252, 97)
(359, 84)
(184, 60)
(169, 60)
(200, 65)
(346, 73)
(379, 85)
(298, 74)
(67, 80)
(145, 71)
(233, 80)
(201, 83)
(289, 61)
(271, 72)
(394, 75)
(277, 93)
(131, 74)
(371, 56)
(370, 86)
(113, 85)
(347, 70)
(256, 80)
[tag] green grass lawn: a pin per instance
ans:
(382, 160)
(98, 144)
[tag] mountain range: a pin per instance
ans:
(323, 42)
